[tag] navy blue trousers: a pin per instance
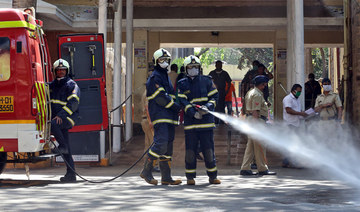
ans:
(61, 133)
(206, 139)
(164, 134)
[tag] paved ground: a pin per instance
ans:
(290, 190)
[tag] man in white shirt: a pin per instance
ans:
(292, 113)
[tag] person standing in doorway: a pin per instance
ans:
(173, 74)
(220, 78)
(228, 99)
(312, 90)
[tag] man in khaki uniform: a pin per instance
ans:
(256, 111)
(328, 104)
(147, 128)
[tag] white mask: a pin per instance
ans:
(192, 72)
(164, 65)
(327, 87)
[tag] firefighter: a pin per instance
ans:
(65, 99)
(198, 94)
(163, 111)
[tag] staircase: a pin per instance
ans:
(135, 148)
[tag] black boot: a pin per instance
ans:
(166, 173)
(68, 178)
(146, 173)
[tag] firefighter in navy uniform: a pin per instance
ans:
(198, 94)
(65, 99)
(163, 111)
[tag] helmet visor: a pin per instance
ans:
(190, 66)
(164, 59)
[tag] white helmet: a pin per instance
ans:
(61, 64)
(192, 62)
(161, 55)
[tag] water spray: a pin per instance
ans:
(329, 152)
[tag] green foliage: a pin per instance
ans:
(242, 57)
(318, 61)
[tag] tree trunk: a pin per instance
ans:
(324, 70)
(24, 3)
(202, 52)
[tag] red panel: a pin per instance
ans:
(9, 145)
(84, 38)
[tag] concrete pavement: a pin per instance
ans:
(290, 190)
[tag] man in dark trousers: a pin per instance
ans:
(65, 99)
(220, 78)
(163, 111)
(198, 95)
(312, 90)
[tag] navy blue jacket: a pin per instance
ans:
(161, 97)
(200, 91)
(65, 99)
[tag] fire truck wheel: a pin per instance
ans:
(3, 158)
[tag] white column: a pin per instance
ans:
(295, 60)
(129, 67)
(117, 76)
(102, 19)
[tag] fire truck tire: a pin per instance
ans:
(3, 158)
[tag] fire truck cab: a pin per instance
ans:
(24, 94)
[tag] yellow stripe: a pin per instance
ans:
(182, 96)
(170, 104)
(202, 99)
(190, 170)
(17, 121)
(172, 96)
(212, 170)
(71, 121)
(165, 121)
(40, 108)
(153, 154)
(2, 149)
(199, 126)
(212, 92)
(55, 101)
(187, 107)
(73, 96)
(156, 93)
(17, 24)
(214, 102)
(67, 110)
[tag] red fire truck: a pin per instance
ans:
(24, 94)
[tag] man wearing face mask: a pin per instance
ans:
(292, 114)
(198, 95)
(256, 112)
(328, 104)
(163, 111)
(65, 99)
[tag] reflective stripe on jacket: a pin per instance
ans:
(161, 97)
(199, 91)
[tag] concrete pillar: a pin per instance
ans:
(280, 79)
(153, 44)
(117, 76)
(140, 71)
(295, 35)
(129, 68)
(102, 19)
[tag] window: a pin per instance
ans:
(4, 58)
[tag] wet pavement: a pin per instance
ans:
(290, 190)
